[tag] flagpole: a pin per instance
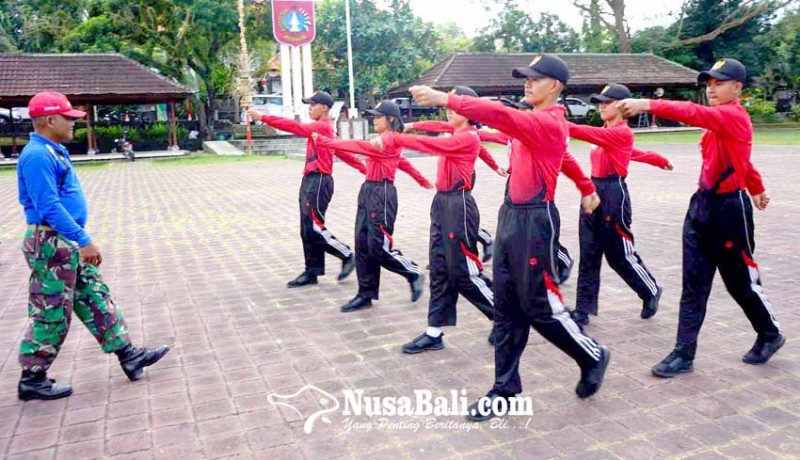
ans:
(244, 76)
(352, 112)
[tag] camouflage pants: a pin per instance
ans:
(60, 284)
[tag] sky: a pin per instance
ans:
(472, 16)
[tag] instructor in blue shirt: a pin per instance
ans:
(63, 258)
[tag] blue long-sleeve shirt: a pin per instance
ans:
(49, 189)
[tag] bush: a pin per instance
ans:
(762, 111)
(593, 118)
(155, 133)
(795, 112)
(80, 135)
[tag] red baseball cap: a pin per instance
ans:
(52, 103)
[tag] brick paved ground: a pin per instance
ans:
(198, 256)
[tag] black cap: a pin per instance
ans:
(320, 97)
(612, 92)
(544, 66)
(463, 91)
(724, 70)
(386, 108)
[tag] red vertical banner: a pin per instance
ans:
(293, 22)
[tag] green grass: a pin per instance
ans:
(760, 137)
(202, 159)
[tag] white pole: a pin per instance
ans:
(297, 80)
(286, 76)
(308, 71)
(353, 111)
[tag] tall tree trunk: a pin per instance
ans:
(618, 7)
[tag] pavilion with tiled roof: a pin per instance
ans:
(87, 80)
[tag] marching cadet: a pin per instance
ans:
(433, 126)
(63, 258)
(455, 220)
(527, 230)
(377, 210)
(316, 190)
(607, 230)
(718, 229)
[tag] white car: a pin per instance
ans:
(578, 108)
(272, 104)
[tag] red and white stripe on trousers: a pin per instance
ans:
(630, 256)
(755, 286)
(474, 266)
(388, 244)
(556, 302)
(320, 229)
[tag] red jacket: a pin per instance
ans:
(538, 147)
(381, 165)
(726, 143)
(457, 155)
(433, 126)
(613, 149)
(317, 158)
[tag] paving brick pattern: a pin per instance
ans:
(198, 256)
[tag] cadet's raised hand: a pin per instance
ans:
(590, 202)
(669, 166)
(630, 107)
(254, 115)
(428, 97)
(761, 200)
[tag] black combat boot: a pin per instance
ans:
(133, 360)
(36, 385)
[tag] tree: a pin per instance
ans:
(614, 20)
(595, 37)
(452, 38)
(514, 31)
(783, 43)
(389, 47)
(736, 14)
(703, 17)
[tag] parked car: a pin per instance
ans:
(20, 114)
(272, 104)
(578, 108)
(417, 111)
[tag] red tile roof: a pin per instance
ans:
(84, 78)
(490, 73)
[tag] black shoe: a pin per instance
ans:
(488, 252)
(348, 265)
(485, 402)
(304, 279)
(357, 303)
(675, 363)
(580, 317)
(650, 306)
(423, 343)
(417, 286)
(133, 360)
(592, 378)
(38, 386)
(763, 350)
(563, 274)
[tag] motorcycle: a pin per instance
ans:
(124, 146)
